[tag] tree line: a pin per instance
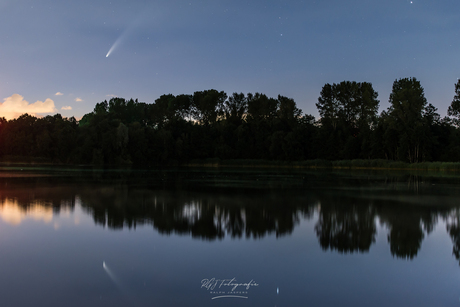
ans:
(211, 124)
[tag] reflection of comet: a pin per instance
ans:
(111, 275)
(123, 290)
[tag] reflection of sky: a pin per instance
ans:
(12, 213)
(372, 278)
(164, 268)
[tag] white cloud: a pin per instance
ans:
(66, 108)
(78, 99)
(15, 105)
(111, 95)
(59, 94)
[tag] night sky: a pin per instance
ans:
(53, 54)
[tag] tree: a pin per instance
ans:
(288, 111)
(101, 108)
(405, 115)
(348, 112)
(182, 106)
(163, 110)
(454, 108)
(431, 130)
(261, 107)
(235, 107)
(328, 106)
(208, 106)
(3, 124)
(352, 104)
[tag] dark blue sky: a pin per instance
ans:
(290, 48)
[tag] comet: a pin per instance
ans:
(135, 23)
(117, 42)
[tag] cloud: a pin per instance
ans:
(15, 105)
(59, 94)
(66, 108)
(78, 99)
(111, 95)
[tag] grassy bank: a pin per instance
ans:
(376, 164)
(342, 164)
(7, 160)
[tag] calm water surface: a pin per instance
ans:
(228, 238)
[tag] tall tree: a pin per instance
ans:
(287, 110)
(208, 105)
(3, 123)
(235, 107)
(328, 106)
(454, 108)
(163, 110)
(261, 107)
(182, 106)
(348, 112)
(405, 115)
(353, 104)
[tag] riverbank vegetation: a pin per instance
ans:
(250, 129)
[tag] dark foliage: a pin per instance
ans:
(212, 125)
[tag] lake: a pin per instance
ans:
(226, 237)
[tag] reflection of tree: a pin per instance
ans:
(453, 228)
(207, 215)
(407, 225)
(30, 191)
(345, 226)
(209, 207)
(347, 214)
(405, 238)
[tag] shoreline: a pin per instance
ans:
(358, 164)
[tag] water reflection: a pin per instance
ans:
(348, 209)
(13, 214)
(346, 228)
(453, 228)
(207, 216)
